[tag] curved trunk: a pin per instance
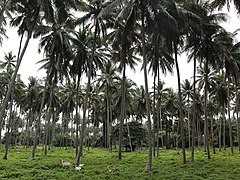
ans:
(8, 133)
(180, 107)
(13, 78)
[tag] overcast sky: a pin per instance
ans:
(30, 68)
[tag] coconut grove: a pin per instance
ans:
(88, 119)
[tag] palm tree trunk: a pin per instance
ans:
(159, 115)
(108, 122)
(230, 123)
(129, 136)
(94, 127)
(37, 131)
(85, 104)
(212, 132)
(224, 127)
(77, 115)
(13, 78)
(158, 129)
(47, 123)
(238, 127)
(180, 107)
(155, 119)
(10, 122)
(205, 110)
(149, 124)
(122, 115)
(220, 134)
(189, 124)
(194, 111)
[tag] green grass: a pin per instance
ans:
(132, 166)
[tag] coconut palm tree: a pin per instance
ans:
(9, 62)
(27, 21)
(96, 22)
(108, 85)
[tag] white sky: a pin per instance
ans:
(30, 68)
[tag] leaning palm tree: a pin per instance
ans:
(27, 23)
(55, 41)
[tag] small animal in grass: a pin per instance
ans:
(65, 164)
(110, 169)
(78, 167)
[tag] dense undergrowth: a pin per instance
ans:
(132, 166)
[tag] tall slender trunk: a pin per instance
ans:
(110, 125)
(37, 131)
(189, 125)
(129, 136)
(53, 128)
(149, 124)
(220, 134)
(85, 104)
(224, 127)
(108, 122)
(13, 78)
(205, 110)
(154, 109)
(229, 121)
(184, 160)
(212, 132)
(159, 117)
(94, 128)
(77, 115)
(8, 133)
(237, 109)
(122, 115)
(194, 110)
(47, 123)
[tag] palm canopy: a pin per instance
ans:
(221, 3)
(9, 62)
(55, 41)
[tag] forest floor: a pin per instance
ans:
(132, 166)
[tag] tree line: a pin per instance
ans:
(97, 41)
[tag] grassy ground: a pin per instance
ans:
(132, 166)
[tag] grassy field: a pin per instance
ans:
(132, 166)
